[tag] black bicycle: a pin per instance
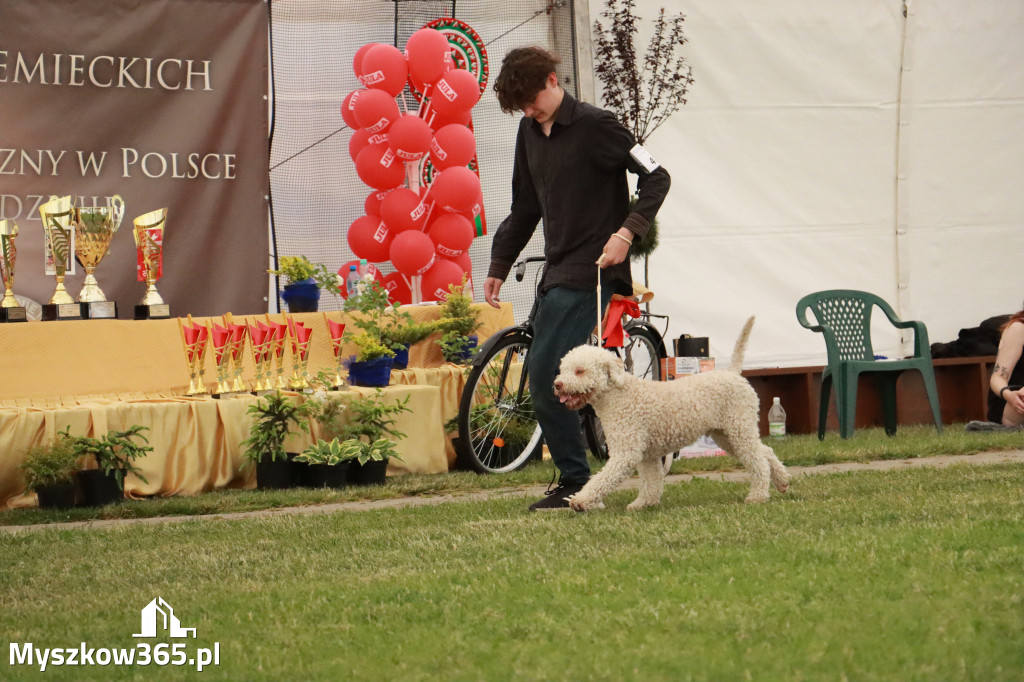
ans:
(498, 429)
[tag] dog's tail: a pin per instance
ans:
(736, 364)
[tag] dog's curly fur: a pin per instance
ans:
(645, 420)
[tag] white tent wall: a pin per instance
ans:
(792, 172)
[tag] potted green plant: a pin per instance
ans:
(402, 333)
(458, 320)
(374, 358)
(114, 453)
(327, 464)
(371, 420)
(305, 280)
(49, 470)
(273, 418)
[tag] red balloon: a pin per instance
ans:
(453, 145)
(455, 189)
(344, 270)
(426, 51)
(452, 233)
(409, 137)
(378, 167)
(455, 93)
(397, 288)
(360, 138)
(412, 252)
(357, 60)
(375, 110)
(371, 205)
(402, 209)
(439, 277)
(384, 68)
(369, 238)
(437, 121)
(348, 108)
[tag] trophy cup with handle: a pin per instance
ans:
(10, 309)
(149, 244)
(59, 256)
(94, 229)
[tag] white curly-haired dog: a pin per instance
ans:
(645, 420)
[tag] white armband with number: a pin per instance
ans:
(644, 158)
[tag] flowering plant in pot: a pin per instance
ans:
(49, 470)
(274, 415)
(114, 453)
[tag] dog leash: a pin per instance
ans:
(600, 329)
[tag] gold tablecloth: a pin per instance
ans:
(196, 441)
(63, 363)
(98, 375)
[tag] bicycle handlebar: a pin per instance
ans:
(521, 266)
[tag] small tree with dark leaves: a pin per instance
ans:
(641, 93)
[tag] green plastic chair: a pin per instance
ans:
(844, 319)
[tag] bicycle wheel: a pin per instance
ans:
(643, 352)
(498, 430)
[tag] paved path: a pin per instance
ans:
(531, 491)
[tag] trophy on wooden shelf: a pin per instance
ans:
(194, 337)
(262, 341)
(59, 257)
(280, 334)
(336, 330)
(149, 244)
(299, 334)
(94, 229)
(10, 309)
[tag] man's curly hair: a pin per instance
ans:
(524, 73)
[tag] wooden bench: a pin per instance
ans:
(962, 384)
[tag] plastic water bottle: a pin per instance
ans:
(776, 419)
(352, 281)
(364, 268)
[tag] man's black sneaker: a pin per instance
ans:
(557, 497)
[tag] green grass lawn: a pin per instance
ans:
(909, 574)
(803, 450)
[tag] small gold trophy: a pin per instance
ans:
(149, 244)
(10, 309)
(279, 333)
(337, 333)
(220, 339)
(94, 229)
(59, 256)
(262, 338)
(194, 337)
(299, 334)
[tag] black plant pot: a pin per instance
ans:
(374, 472)
(276, 474)
(57, 496)
(94, 488)
(325, 475)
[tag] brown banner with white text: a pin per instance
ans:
(163, 102)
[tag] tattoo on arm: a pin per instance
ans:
(999, 370)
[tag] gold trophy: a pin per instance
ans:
(149, 244)
(59, 257)
(194, 339)
(10, 309)
(94, 229)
